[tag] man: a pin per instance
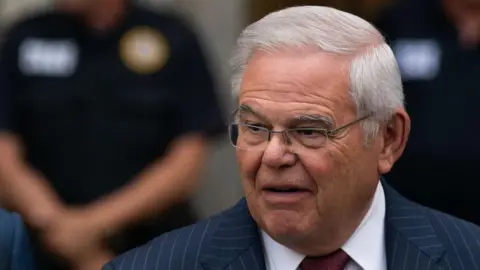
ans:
(15, 253)
(105, 116)
(436, 43)
(320, 120)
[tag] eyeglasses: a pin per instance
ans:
(256, 137)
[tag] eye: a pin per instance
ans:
(310, 132)
(253, 128)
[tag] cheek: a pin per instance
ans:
(248, 164)
(333, 172)
(320, 166)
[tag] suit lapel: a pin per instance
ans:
(411, 241)
(236, 243)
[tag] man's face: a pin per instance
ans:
(337, 180)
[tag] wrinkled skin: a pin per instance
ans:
(341, 177)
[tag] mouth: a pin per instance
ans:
(284, 194)
(284, 189)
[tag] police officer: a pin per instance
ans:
(105, 113)
(436, 43)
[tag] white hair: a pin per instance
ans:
(375, 83)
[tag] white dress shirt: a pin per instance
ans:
(366, 247)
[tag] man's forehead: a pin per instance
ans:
(304, 56)
(287, 81)
(289, 73)
(285, 116)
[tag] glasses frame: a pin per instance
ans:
(333, 133)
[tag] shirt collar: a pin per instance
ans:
(366, 247)
(367, 244)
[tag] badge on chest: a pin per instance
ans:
(418, 59)
(144, 50)
(48, 58)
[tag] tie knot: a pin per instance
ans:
(333, 261)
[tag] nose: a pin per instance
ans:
(278, 153)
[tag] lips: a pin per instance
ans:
(284, 188)
(284, 194)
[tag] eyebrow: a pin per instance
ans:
(315, 119)
(247, 109)
(306, 118)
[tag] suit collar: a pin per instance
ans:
(408, 231)
(236, 241)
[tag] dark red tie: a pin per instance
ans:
(333, 261)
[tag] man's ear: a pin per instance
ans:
(395, 136)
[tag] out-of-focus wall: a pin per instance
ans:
(11, 10)
(218, 22)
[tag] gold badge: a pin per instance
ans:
(144, 50)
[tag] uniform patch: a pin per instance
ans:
(418, 59)
(48, 58)
(144, 50)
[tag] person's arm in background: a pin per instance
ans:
(22, 189)
(79, 234)
(173, 177)
(25, 190)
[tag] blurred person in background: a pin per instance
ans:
(15, 250)
(436, 43)
(105, 115)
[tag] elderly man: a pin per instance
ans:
(320, 120)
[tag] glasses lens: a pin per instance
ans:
(309, 137)
(248, 137)
(233, 134)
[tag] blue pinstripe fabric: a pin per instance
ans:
(417, 238)
(15, 252)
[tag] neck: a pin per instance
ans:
(466, 24)
(105, 14)
(336, 235)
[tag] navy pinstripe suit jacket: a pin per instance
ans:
(15, 252)
(417, 238)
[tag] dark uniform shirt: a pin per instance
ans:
(440, 167)
(94, 109)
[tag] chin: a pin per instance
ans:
(284, 225)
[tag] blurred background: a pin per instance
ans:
(218, 23)
(435, 43)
